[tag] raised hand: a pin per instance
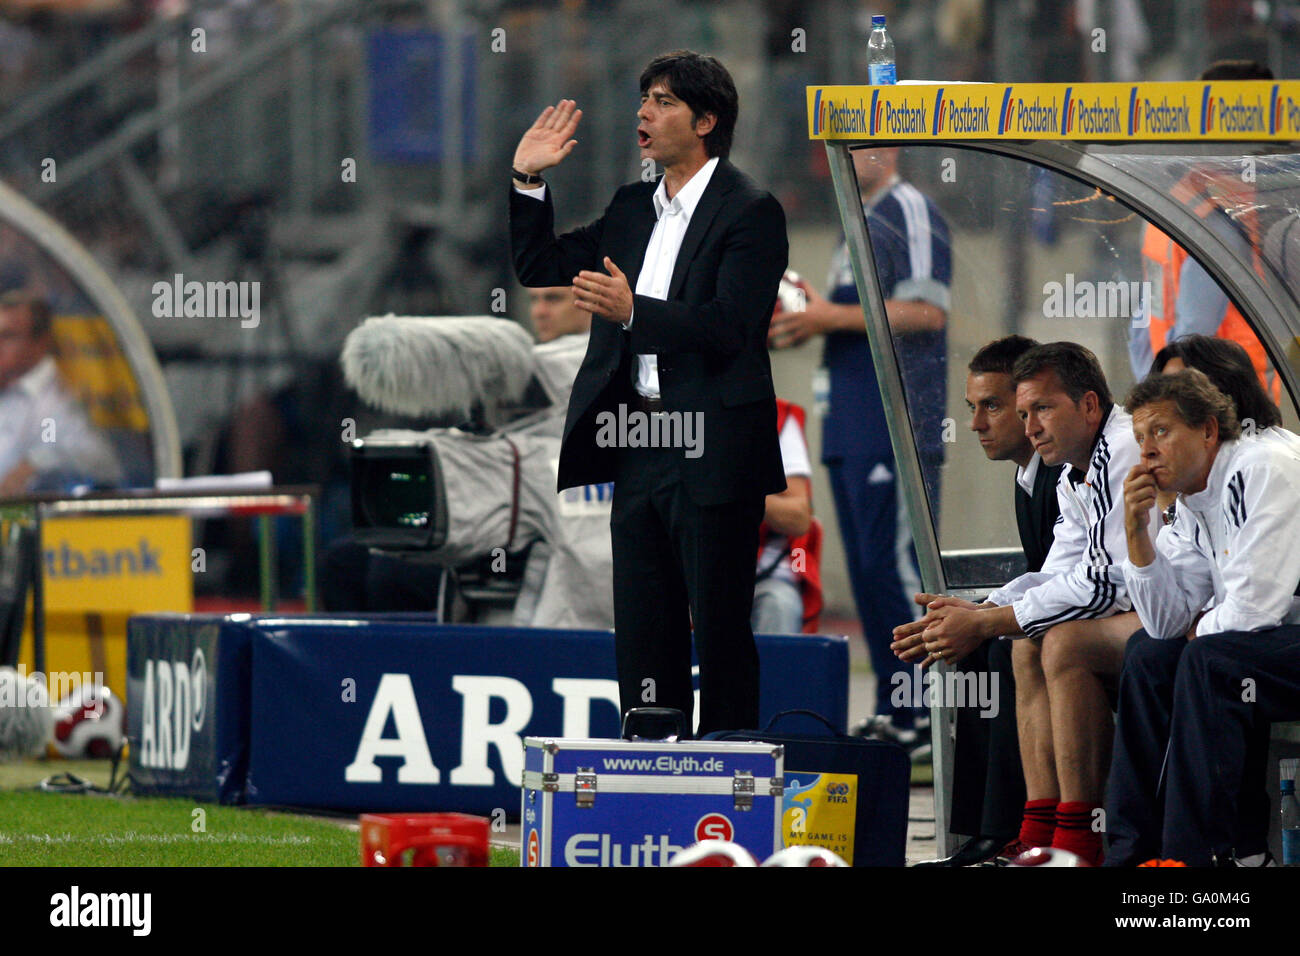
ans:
(549, 139)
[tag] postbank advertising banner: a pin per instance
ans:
(1257, 110)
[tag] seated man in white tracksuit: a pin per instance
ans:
(1073, 616)
(1232, 549)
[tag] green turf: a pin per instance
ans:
(24, 774)
(49, 829)
(43, 829)
(503, 856)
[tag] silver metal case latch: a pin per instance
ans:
(742, 790)
(584, 787)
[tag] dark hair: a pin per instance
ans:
(1076, 367)
(1228, 366)
(1236, 70)
(1194, 397)
(703, 84)
(1000, 355)
(38, 310)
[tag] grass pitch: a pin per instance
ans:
(53, 829)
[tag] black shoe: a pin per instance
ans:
(971, 853)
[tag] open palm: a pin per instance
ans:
(549, 139)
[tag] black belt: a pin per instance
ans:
(647, 405)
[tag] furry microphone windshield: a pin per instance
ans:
(437, 366)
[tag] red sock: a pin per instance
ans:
(1074, 831)
(1039, 823)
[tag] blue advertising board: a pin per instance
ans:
(187, 704)
(401, 713)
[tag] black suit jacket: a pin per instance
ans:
(710, 334)
(1036, 515)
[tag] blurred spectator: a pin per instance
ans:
(787, 592)
(553, 313)
(46, 440)
(1185, 299)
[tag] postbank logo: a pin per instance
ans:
(1239, 113)
(1040, 116)
(842, 116)
(1093, 115)
(899, 119)
(1163, 116)
(967, 115)
(1286, 114)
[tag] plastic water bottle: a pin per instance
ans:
(880, 55)
(1290, 814)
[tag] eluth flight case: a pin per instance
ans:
(621, 803)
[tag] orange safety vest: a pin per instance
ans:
(809, 544)
(1163, 259)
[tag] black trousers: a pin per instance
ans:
(678, 563)
(1229, 686)
(1138, 791)
(988, 781)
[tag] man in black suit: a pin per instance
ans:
(674, 400)
(988, 792)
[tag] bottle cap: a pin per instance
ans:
(877, 19)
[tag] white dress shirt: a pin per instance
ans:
(42, 424)
(672, 216)
(1026, 476)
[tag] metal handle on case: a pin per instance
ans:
(654, 723)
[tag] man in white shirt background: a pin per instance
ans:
(46, 439)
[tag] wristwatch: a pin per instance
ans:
(1167, 516)
(527, 179)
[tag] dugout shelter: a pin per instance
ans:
(1049, 190)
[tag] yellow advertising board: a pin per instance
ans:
(97, 572)
(1254, 110)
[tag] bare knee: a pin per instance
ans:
(1062, 648)
(1026, 660)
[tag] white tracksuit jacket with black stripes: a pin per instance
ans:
(1082, 577)
(1235, 546)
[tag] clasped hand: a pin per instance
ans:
(949, 631)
